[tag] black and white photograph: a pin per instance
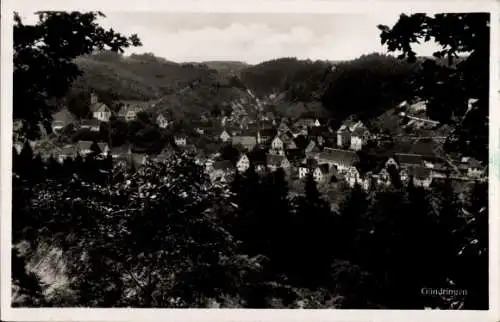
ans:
(249, 160)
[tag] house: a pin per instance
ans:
(180, 140)
(129, 109)
(359, 136)
(248, 142)
(243, 163)
(474, 168)
(307, 165)
(61, 118)
(277, 146)
(421, 176)
(320, 173)
(317, 122)
(68, 151)
(409, 159)
(85, 147)
(304, 123)
(162, 121)
(342, 160)
(343, 136)
(92, 125)
(275, 162)
(224, 137)
(101, 112)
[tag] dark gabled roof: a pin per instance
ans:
(408, 159)
(91, 122)
(304, 122)
(269, 132)
(98, 107)
(102, 145)
(248, 132)
(246, 141)
(309, 163)
(338, 156)
(83, 145)
(324, 168)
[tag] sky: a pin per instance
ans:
(253, 37)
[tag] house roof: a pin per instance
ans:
(102, 145)
(309, 163)
(246, 141)
(408, 158)
(324, 168)
(270, 132)
(275, 160)
(91, 122)
(304, 122)
(83, 145)
(338, 156)
(99, 107)
(64, 116)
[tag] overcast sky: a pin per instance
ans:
(253, 38)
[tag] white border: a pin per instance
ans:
(256, 6)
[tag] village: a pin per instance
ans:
(261, 140)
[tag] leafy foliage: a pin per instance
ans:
(43, 61)
(447, 88)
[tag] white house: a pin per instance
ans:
(320, 172)
(359, 137)
(224, 137)
(317, 122)
(243, 163)
(343, 136)
(161, 121)
(277, 146)
(342, 160)
(101, 112)
(180, 140)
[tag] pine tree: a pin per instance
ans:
(314, 226)
(351, 227)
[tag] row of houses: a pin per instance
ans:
(100, 112)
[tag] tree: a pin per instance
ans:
(43, 61)
(314, 224)
(447, 87)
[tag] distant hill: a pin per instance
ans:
(227, 67)
(137, 77)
